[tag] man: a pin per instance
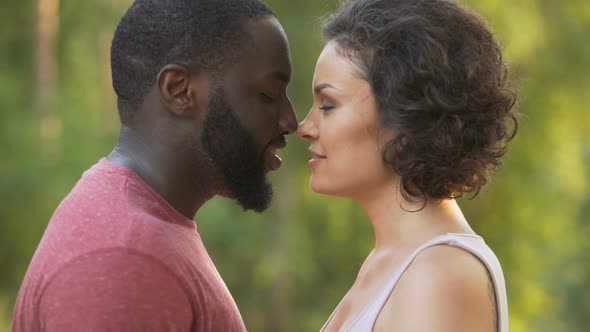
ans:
(201, 88)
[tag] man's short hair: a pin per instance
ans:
(154, 33)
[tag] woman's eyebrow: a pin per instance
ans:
(318, 88)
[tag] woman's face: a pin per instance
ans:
(343, 130)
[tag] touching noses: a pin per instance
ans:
(307, 129)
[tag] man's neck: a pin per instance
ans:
(176, 180)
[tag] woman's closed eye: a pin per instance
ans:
(326, 104)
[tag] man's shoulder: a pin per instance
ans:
(115, 283)
(111, 263)
(97, 193)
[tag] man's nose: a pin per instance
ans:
(288, 119)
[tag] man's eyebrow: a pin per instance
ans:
(318, 88)
(281, 76)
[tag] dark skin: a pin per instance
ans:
(163, 145)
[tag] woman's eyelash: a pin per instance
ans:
(326, 107)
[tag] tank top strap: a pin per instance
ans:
(471, 243)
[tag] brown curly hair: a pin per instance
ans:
(440, 83)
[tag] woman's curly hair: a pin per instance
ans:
(440, 83)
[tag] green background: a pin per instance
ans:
(288, 267)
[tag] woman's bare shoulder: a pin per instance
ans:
(445, 289)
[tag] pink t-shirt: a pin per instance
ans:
(117, 257)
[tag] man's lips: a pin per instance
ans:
(272, 160)
(278, 146)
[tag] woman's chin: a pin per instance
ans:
(315, 186)
(322, 188)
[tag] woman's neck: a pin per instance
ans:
(399, 223)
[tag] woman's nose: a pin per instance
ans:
(307, 129)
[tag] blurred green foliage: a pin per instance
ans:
(288, 267)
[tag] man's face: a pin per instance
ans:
(249, 114)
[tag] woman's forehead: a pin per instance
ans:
(337, 70)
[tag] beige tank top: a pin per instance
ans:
(473, 244)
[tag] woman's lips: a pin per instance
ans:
(317, 158)
(313, 163)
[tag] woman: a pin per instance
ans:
(412, 109)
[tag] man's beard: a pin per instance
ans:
(235, 154)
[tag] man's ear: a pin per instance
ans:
(181, 90)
